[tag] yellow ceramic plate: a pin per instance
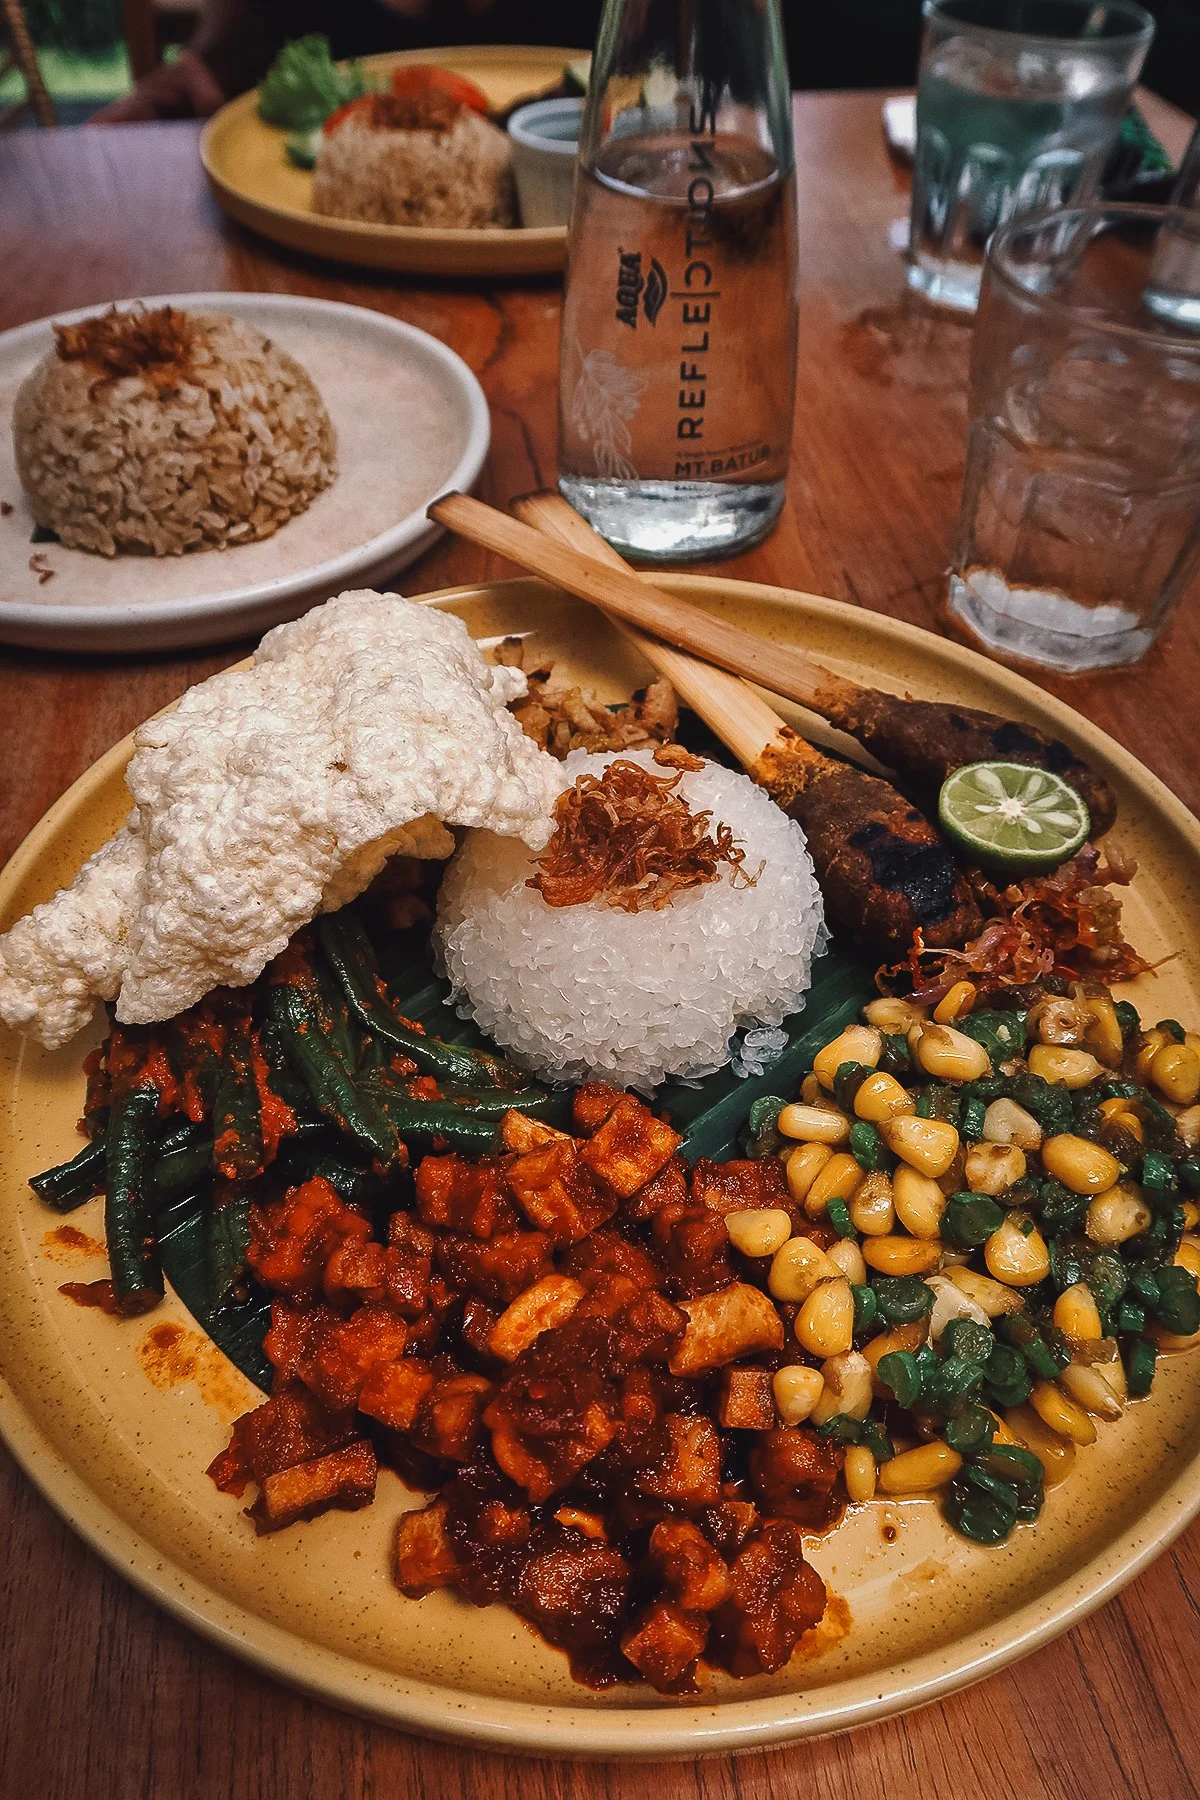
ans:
(252, 179)
(116, 1422)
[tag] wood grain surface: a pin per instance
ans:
(99, 1692)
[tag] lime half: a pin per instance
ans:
(1009, 815)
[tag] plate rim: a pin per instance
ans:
(412, 533)
(546, 243)
(650, 1732)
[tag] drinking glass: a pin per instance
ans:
(1018, 104)
(1174, 290)
(1080, 523)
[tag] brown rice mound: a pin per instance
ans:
(159, 432)
(460, 176)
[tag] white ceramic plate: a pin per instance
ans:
(412, 423)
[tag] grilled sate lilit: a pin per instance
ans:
(883, 869)
(926, 740)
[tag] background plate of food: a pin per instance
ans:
(452, 168)
(195, 467)
(116, 1418)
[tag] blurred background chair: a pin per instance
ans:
(17, 55)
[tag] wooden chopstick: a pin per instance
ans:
(621, 593)
(729, 706)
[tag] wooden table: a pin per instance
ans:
(101, 1693)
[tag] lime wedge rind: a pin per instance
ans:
(1010, 815)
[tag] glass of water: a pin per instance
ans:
(1018, 104)
(1174, 290)
(1080, 523)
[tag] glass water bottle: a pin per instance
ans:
(678, 351)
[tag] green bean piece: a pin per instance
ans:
(900, 1371)
(842, 1429)
(954, 1381)
(924, 1106)
(866, 1307)
(1060, 1209)
(1006, 1378)
(1130, 1317)
(303, 1030)
(901, 1299)
(350, 955)
(982, 1517)
(68, 1184)
(1158, 1174)
(1127, 1016)
(970, 1118)
(424, 1120)
(762, 1135)
(1178, 1304)
(1046, 1365)
(1173, 1029)
(966, 1338)
(896, 1058)
(867, 1146)
(1189, 1174)
(1049, 1103)
(181, 1169)
(493, 1103)
(238, 1152)
(1144, 1288)
(1140, 1357)
(969, 1220)
(846, 1083)
(970, 1430)
(129, 1162)
(1016, 1465)
(838, 1214)
(1002, 1034)
(227, 1230)
(877, 1441)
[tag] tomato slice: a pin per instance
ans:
(340, 114)
(411, 79)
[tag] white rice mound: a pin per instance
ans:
(112, 464)
(381, 175)
(592, 992)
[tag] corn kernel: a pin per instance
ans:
(759, 1230)
(927, 1145)
(1088, 1387)
(990, 1168)
(993, 1297)
(797, 1389)
(1175, 1072)
(1005, 1122)
(919, 1202)
(848, 1388)
(858, 1043)
(802, 1168)
(1077, 1315)
(1066, 1067)
(1187, 1124)
(918, 1471)
(950, 1055)
(1152, 1043)
(836, 1181)
(901, 1255)
(858, 1472)
(811, 1092)
(893, 1015)
(1015, 1258)
(846, 1256)
(1054, 1020)
(1117, 1215)
(797, 1267)
(1084, 1167)
(813, 1124)
(1188, 1255)
(825, 1323)
(956, 1003)
(1102, 1035)
(900, 1337)
(881, 1097)
(1057, 1454)
(1116, 1112)
(1060, 1413)
(1191, 1215)
(871, 1210)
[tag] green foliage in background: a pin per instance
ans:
(87, 26)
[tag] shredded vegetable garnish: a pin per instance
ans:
(628, 838)
(1067, 923)
(156, 344)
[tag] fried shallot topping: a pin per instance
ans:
(156, 343)
(1067, 923)
(427, 111)
(628, 838)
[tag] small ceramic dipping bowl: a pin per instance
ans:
(545, 141)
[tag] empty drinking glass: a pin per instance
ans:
(1018, 104)
(1080, 523)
